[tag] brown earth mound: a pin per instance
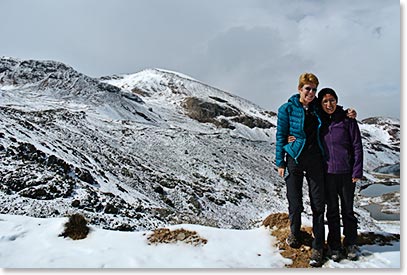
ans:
(164, 235)
(280, 228)
(279, 225)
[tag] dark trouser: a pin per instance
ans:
(340, 186)
(312, 166)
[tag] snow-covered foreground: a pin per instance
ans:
(27, 242)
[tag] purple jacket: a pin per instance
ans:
(342, 144)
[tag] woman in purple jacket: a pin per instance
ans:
(344, 167)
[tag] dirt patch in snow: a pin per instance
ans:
(279, 225)
(280, 228)
(165, 235)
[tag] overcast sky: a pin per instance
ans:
(252, 48)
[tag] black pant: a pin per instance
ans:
(340, 186)
(310, 165)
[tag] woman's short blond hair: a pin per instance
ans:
(308, 78)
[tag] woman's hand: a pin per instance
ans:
(354, 180)
(281, 171)
(351, 113)
(291, 139)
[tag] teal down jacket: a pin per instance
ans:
(291, 116)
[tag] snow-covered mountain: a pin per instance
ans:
(139, 151)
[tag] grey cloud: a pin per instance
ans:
(241, 47)
(252, 63)
(252, 48)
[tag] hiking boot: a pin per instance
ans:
(335, 254)
(293, 241)
(316, 259)
(352, 252)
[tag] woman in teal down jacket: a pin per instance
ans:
(298, 117)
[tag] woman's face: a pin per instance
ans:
(328, 103)
(307, 93)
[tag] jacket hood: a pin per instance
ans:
(338, 115)
(295, 99)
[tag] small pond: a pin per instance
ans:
(379, 189)
(378, 215)
(375, 190)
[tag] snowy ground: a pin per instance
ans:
(27, 242)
